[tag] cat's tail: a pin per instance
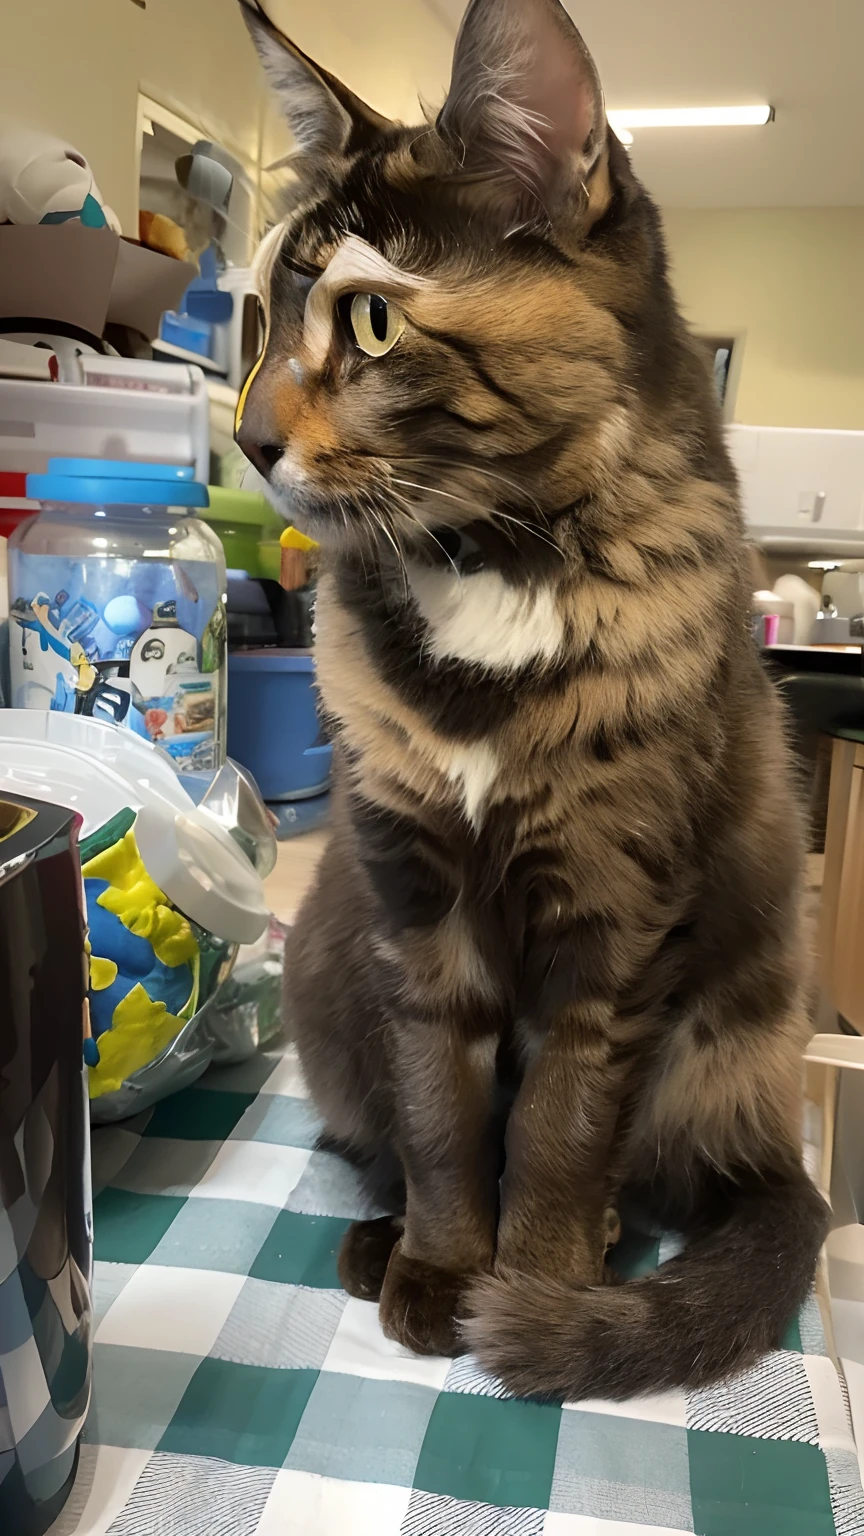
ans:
(704, 1315)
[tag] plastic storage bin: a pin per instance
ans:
(273, 725)
(125, 408)
(117, 598)
(186, 331)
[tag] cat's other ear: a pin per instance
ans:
(325, 117)
(525, 107)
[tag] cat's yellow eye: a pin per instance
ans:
(377, 324)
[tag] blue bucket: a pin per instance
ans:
(273, 725)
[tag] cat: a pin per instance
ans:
(551, 962)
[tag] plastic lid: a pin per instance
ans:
(121, 469)
(99, 769)
(118, 481)
(200, 867)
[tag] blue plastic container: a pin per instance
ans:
(187, 331)
(273, 725)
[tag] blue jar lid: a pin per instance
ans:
(120, 469)
(118, 481)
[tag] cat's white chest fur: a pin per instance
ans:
(482, 618)
(473, 770)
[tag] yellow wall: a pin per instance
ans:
(74, 68)
(388, 51)
(790, 281)
(787, 280)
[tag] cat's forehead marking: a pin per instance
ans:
(355, 266)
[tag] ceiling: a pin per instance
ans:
(805, 60)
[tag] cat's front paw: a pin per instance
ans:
(419, 1306)
(365, 1254)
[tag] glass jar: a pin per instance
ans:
(117, 595)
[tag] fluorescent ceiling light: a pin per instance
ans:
(688, 117)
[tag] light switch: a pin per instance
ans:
(811, 505)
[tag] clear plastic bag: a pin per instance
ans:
(238, 989)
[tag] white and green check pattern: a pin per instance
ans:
(239, 1392)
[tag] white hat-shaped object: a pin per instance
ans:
(99, 769)
(203, 872)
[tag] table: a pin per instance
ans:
(239, 1392)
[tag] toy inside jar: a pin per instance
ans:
(117, 605)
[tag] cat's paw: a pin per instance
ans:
(419, 1306)
(365, 1254)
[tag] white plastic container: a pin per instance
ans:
(117, 605)
(140, 410)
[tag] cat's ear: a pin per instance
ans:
(525, 106)
(325, 117)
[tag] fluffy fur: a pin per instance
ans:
(552, 959)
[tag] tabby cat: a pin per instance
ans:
(551, 965)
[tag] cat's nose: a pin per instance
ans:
(264, 456)
(256, 431)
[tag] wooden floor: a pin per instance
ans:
(298, 856)
(295, 866)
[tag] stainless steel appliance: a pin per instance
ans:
(45, 1205)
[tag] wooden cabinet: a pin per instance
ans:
(842, 921)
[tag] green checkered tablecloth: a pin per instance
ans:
(239, 1392)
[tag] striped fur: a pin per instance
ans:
(552, 959)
